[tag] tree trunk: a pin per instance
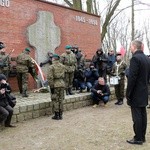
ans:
(108, 17)
(77, 4)
(89, 6)
(68, 2)
(132, 21)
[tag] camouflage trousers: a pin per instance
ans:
(22, 81)
(57, 98)
(69, 79)
(119, 89)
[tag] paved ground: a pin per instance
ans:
(101, 128)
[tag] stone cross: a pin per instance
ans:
(44, 36)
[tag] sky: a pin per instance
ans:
(141, 12)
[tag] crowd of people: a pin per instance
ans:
(71, 71)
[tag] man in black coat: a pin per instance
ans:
(137, 91)
(100, 91)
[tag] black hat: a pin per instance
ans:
(2, 45)
(2, 77)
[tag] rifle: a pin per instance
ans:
(2, 63)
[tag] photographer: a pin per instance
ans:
(6, 111)
(100, 62)
(100, 91)
(79, 79)
(91, 75)
(10, 98)
(48, 60)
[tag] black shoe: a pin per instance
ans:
(88, 90)
(144, 140)
(10, 126)
(148, 106)
(56, 116)
(67, 93)
(25, 95)
(120, 103)
(70, 91)
(80, 91)
(60, 115)
(133, 141)
(117, 103)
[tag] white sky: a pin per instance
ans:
(141, 14)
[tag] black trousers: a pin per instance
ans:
(139, 116)
(6, 114)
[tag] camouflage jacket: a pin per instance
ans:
(70, 61)
(4, 62)
(118, 69)
(24, 61)
(56, 75)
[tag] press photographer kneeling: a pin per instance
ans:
(7, 102)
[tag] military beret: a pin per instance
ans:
(56, 56)
(27, 49)
(68, 47)
(2, 45)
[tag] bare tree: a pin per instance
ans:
(111, 9)
(76, 4)
(147, 33)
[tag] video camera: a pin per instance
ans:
(3, 86)
(74, 48)
(100, 60)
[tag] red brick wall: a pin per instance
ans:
(15, 19)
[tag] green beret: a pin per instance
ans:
(68, 47)
(27, 49)
(56, 56)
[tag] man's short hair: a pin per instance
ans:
(138, 44)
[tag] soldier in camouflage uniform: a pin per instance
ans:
(55, 77)
(24, 62)
(118, 70)
(4, 60)
(69, 60)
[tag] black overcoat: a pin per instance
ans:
(137, 86)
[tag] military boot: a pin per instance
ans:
(56, 116)
(70, 91)
(24, 94)
(120, 101)
(60, 115)
(67, 92)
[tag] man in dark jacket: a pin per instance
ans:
(6, 111)
(100, 91)
(91, 75)
(100, 61)
(137, 91)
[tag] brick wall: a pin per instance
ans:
(19, 15)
